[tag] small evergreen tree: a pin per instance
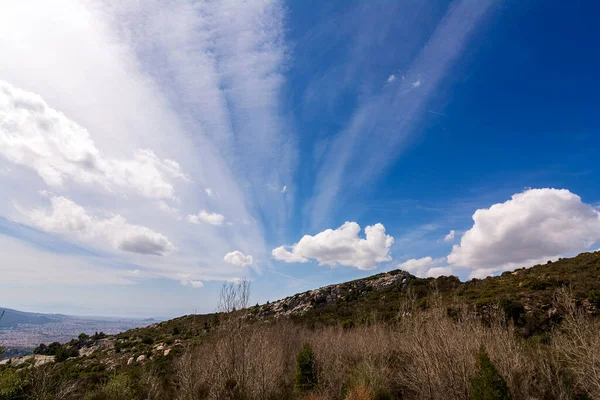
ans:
(487, 383)
(306, 374)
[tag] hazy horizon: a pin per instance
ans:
(151, 151)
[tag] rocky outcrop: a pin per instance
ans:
(35, 359)
(348, 291)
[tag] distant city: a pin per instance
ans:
(21, 332)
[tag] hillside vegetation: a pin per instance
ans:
(528, 334)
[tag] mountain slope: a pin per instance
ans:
(430, 317)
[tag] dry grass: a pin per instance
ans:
(426, 355)
(423, 355)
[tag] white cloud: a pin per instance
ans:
(34, 135)
(179, 79)
(231, 75)
(67, 217)
(426, 267)
(209, 192)
(481, 273)
(284, 189)
(206, 218)
(533, 226)
(238, 258)
(439, 271)
(163, 205)
(341, 246)
(450, 236)
(186, 280)
(391, 78)
(192, 283)
(417, 83)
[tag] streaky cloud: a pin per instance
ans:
(382, 125)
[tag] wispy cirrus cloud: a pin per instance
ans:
(223, 63)
(383, 123)
(153, 99)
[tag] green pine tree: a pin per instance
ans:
(306, 374)
(487, 383)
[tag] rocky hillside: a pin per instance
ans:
(525, 295)
(303, 303)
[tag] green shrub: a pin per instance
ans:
(513, 310)
(98, 336)
(306, 373)
(118, 387)
(11, 384)
(594, 297)
(487, 383)
(63, 353)
(147, 340)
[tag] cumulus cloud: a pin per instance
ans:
(481, 273)
(533, 226)
(426, 267)
(204, 217)
(36, 136)
(450, 236)
(341, 246)
(185, 281)
(67, 217)
(238, 258)
(391, 78)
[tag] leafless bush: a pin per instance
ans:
(577, 345)
(152, 383)
(253, 362)
(45, 386)
(425, 355)
(234, 296)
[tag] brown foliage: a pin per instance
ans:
(426, 355)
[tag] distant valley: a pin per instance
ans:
(21, 332)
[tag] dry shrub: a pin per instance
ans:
(249, 362)
(314, 396)
(364, 353)
(361, 392)
(151, 382)
(424, 355)
(576, 345)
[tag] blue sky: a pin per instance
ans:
(150, 151)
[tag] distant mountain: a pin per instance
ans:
(13, 317)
